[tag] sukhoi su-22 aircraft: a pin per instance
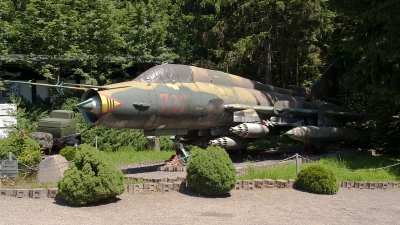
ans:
(206, 107)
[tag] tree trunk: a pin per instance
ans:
(267, 58)
(283, 67)
(297, 71)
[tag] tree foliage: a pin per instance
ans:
(90, 39)
(256, 39)
(368, 37)
(385, 136)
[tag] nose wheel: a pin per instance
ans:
(182, 153)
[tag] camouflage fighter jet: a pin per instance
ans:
(205, 107)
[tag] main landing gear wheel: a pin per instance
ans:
(181, 152)
(184, 156)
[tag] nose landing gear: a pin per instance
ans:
(182, 156)
(181, 152)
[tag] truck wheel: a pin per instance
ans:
(76, 145)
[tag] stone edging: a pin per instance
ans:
(36, 193)
(180, 184)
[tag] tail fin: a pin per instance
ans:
(327, 86)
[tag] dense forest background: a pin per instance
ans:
(278, 42)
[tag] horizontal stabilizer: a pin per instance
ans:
(349, 116)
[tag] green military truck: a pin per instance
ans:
(58, 131)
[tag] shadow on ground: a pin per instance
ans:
(59, 201)
(193, 193)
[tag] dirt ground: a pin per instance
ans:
(268, 206)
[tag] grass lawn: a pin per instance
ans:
(126, 156)
(346, 168)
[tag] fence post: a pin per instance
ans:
(297, 164)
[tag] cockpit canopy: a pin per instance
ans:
(167, 73)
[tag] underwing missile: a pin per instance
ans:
(250, 130)
(230, 142)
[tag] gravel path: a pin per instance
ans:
(268, 206)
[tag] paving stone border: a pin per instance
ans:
(180, 184)
(36, 193)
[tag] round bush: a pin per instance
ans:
(68, 153)
(24, 148)
(91, 178)
(317, 179)
(211, 172)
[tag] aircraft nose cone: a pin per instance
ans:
(86, 105)
(92, 105)
(290, 133)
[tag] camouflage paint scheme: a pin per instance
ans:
(211, 107)
(207, 107)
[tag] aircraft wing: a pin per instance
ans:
(61, 85)
(326, 111)
(326, 114)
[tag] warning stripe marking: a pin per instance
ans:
(109, 104)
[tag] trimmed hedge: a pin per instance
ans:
(211, 172)
(91, 178)
(317, 179)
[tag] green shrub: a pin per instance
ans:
(91, 178)
(68, 153)
(317, 179)
(166, 144)
(111, 139)
(210, 171)
(24, 148)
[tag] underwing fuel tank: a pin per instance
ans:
(250, 130)
(230, 142)
(319, 134)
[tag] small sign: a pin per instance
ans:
(9, 168)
